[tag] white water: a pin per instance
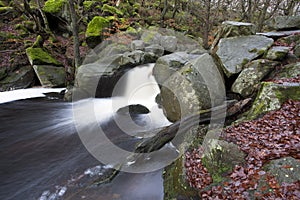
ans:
(26, 94)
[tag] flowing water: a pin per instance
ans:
(43, 157)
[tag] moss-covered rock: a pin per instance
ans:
(19, 79)
(87, 5)
(288, 71)
(271, 96)
(111, 10)
(50, 76)
(54, 6)
(38, 56)
(277, 53)
(250, 77)
(220, 157)
(95, 29)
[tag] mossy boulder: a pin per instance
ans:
(111, 10)
(50, 76)
(277, 53)
(236, 52)
(19, 79)
(248, 80)
(288, 71)
(271, 96)
(220, 157)
(38, 56)
(54, 6)
(94, 31)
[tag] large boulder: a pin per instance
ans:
(196, 86)
(50, 76)
(166, 65)
(235, 52)
(38, 56)
(271, 96)
(250, 77)
(19, 79)
(284, 22)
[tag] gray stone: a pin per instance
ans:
(284, 22)
(250, 77)
(235, 52)
(285, 170)
(166, 65)
(137, 45)
(151, 37)
(133, 110)
(277, 53)
(271, 96)
(155, 49)
(278, 34)
(196, 86)
(169, 43)
(19, 79)
(50, 76)
(136, 56)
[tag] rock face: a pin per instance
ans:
(197, 85)
(250, 77)
(285, 22)
(271, 96)
(50, 76)
(19, 79)
(235, 52)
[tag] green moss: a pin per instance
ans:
(2, 4)
(88, 4)
(96, 26)
(38, 56)
(54, 6)
(6, 9)
(245, 61)
(38, 42)
(112, 10)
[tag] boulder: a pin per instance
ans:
(166, 65)
(50, 76)
(169, 43)
(196, 86)
(235, 52)
(285, 170)
(277, 53)
(151, 37)
(288, 71)
(38, 56)
(155, 49)
(232, 29)
(249, 79)
(19, 79)
(271, 96)
(133, 110)
(137, 45)
(94, 30)
(284, 22)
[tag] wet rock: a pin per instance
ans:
(271, 96)
(38, 56)
(133, 110)
(250, 77)
(19, 79)
(137, 45)
(284, 22)
(166, 65)
(235, 52)
(50, 76)
(196, 86)
(277, 53)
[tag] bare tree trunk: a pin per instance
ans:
(38, 2)
(262, 15)
(207, 24)
(75, 36)
(164, 12)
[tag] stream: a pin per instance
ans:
(43, 156)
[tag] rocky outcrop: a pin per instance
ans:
(19, 79)
(249, 79)
(284, 22)
(50, 76)
(236, 52)
(38, 56)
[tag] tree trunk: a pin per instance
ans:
(164, 12)
(75, 37)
